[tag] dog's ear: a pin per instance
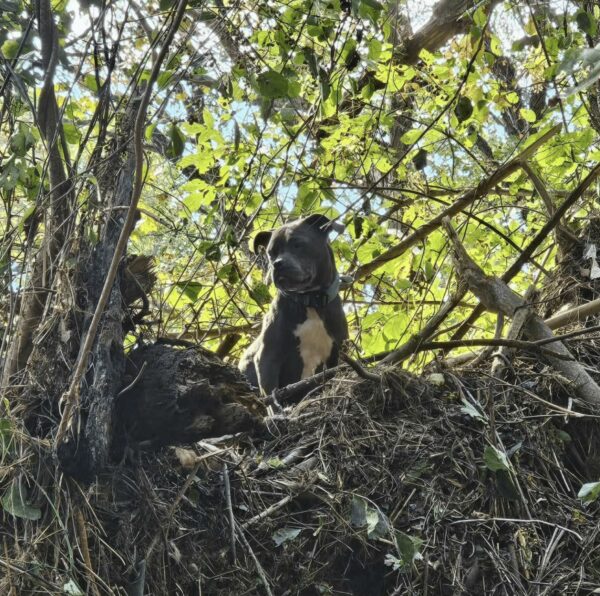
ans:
(323, 223)
(261, 239)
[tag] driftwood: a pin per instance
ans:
(496, 296)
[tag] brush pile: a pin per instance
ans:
(450, 483)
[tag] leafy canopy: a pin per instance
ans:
(271, 110)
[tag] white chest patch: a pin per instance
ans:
(315, 343)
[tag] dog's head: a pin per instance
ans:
(300, 258)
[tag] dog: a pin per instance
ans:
(305, 326)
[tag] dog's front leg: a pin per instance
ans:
(268, 367)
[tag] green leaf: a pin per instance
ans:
(285, 534)
(229, 274)
(72, 133)
(312, 62)
(363, 515)
(495, 459)
(411, 136)
(10, 48)
(164, 78)
(324, 84)
(463, 109)
(272, 84)
(375, 48)
(14, 501)
(420, 159)
(260, 294)
(6, 438)
(370, 9)
(586, 22)
(191, 289)
(470, 410)
(213, 252)
(528, 115)
(177, 142)
(564, 436)
(89, 81)
(408, 547)
(589, 492)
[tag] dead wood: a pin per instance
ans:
(496, 296)
(182, 396)
(574, 315)
(503, 357)
(83, 456)
(56, 204)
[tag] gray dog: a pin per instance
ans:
(306, 324)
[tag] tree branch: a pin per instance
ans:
(541, 236)
(467, 199)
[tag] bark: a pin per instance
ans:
(80, 455)
(448, 20)
(83, 454)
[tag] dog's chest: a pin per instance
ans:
(315, 343)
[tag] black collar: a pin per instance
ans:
(316, 298)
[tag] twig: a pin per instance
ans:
(541, 237)
(171, 510)
(552, 323)
(469, 197)
(496, 296)
(359, 370)
(574, 315)
(12, 589)
(299, 389)
(508, 343)
(268, 511)
(412, 345)
(517, 521)
(85, 550)
(137, 585)
(259, 569)
(227, 488)
(503, 357)
(134, 382)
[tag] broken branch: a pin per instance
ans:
(496, 296)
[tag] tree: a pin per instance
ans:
(143, 145)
